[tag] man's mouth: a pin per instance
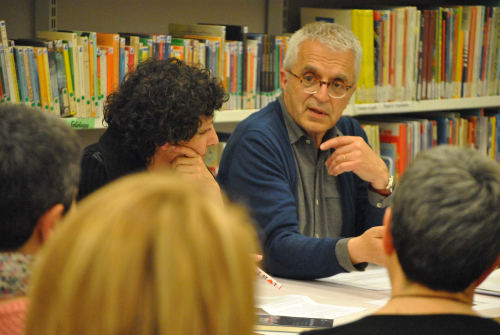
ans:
(317, 112)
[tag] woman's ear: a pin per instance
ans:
(164, 147)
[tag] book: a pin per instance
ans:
(44, 104)
(13, 73)
(123, 61)
(104, 74)
(199, 31)
(24, 51)
(69, 79)
(62, 82)
(388, 154)
(21, 75)
(396, 133)
(12, 97)
(72, 43)
(83, 62)
(278, 323)
(110, 67)
(112, 41)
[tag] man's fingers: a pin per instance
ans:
(339, 168)
(337, 142)
(187, 151)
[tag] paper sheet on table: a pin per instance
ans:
(491, 285)
(302, 306)
(371, 279)
(480, 303)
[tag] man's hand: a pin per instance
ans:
(352, 153)
(190, 165)
(368, 247)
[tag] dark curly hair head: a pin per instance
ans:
(162, 101)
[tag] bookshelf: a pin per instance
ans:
(223, 119)
(272, 16)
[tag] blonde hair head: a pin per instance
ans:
(148, 254)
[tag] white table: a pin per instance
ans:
(335, 294)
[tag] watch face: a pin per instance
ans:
(390, 184)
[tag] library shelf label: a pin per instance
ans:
(81, 123)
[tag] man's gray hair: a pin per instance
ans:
(39, 167)
(331, 35)
(446, 217)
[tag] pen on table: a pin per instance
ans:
(268, 278)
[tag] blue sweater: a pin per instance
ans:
(258, 169)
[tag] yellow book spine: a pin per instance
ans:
(50, 96)
(14, 75)
(41, 77)
(69, 80)
(355, 29)
(91, 78)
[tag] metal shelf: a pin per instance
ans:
(235, 116)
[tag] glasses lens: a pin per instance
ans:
(337, 88)
(309, 83)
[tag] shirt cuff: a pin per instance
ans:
(343, 257)
(378, 200)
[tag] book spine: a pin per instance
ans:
(92, 94)
(35, 82)
(62, 83)
(16, 95)
(24, 51)
(123, 61)
(69, 79)
(21, 75)
(54, 92)
(41, 77)
(8, 64)
(99, 83)
(4, 73)
(420, 56)
(104, 75)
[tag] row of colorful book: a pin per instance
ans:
(70, 73)
(411, 54)
(399, 138)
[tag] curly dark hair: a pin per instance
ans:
(162, 101)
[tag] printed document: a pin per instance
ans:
(302, 306)
(376, 279)
(480, 303)
(491, 285)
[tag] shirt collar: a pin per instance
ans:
(295, 132)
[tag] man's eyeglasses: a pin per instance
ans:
(336, 89)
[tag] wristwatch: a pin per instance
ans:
(390, 184)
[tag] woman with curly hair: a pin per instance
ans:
(161, 117)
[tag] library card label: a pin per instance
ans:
(83, 123)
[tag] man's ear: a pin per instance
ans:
(47, 222)
(283, 79)
(493, 266)
(388, 242)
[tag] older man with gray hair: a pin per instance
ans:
(441, 242)
(311, 181)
